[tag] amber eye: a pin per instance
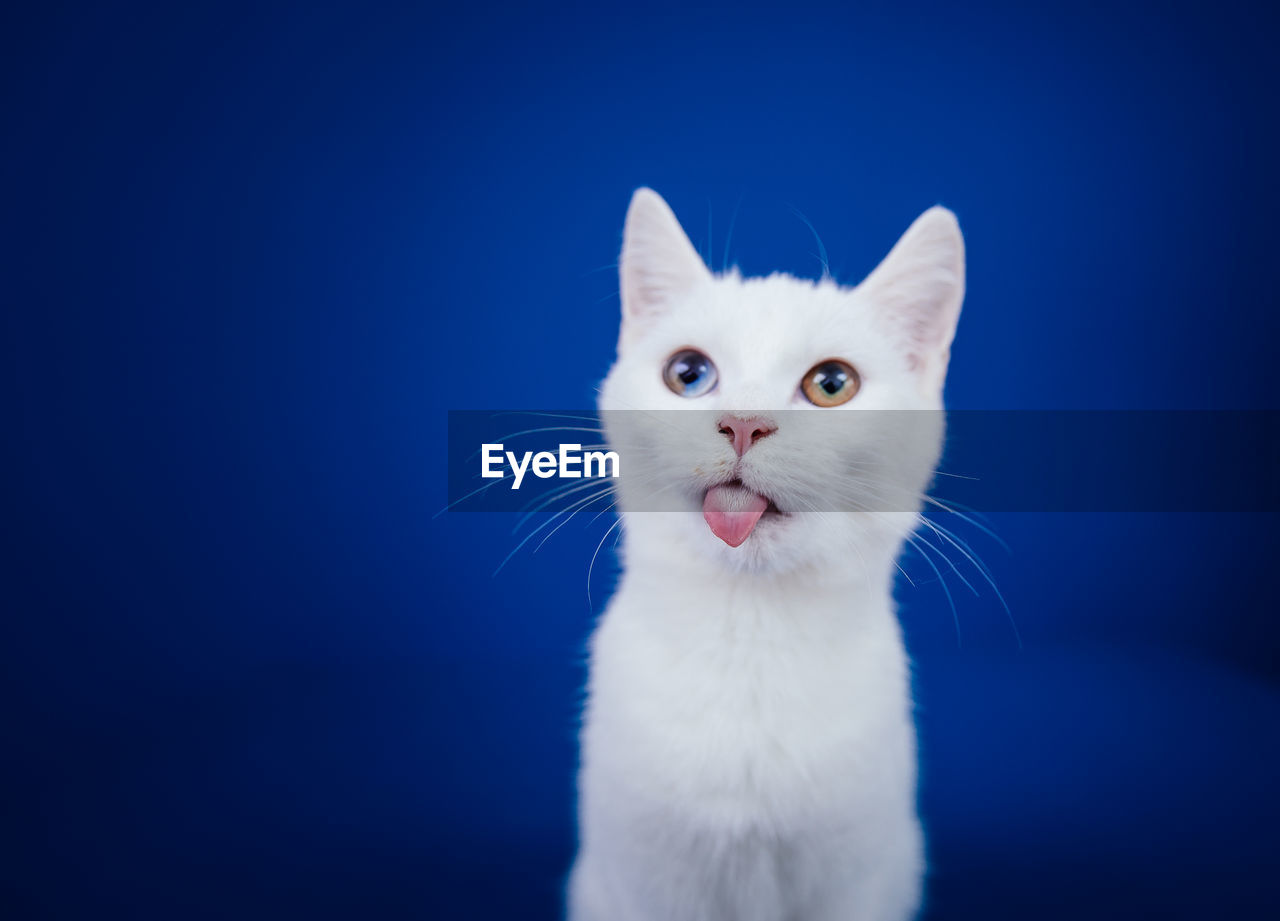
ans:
(689, 373)
(830, 383)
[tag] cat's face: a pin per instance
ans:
(774, 423)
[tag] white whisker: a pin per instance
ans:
(592, 566)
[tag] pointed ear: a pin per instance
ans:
(658, 263)
(918, 288)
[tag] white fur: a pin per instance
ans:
(748, 751)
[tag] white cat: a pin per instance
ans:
(748, 750)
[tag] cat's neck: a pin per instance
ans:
(674, 581)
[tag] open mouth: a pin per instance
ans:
(732, 511)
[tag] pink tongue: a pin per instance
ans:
(732, 512)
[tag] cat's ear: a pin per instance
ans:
(658, 264)
(918, 288)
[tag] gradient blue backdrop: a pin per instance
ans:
(252, 255)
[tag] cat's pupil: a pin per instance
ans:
(689, 375)
(832, 381)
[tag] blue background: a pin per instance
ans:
(253, 254)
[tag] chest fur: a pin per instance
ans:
(751, 715)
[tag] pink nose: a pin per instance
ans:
(745, 432)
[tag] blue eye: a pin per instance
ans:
(689, 373)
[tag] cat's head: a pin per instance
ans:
(776, 423)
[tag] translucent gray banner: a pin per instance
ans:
(814, 460)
